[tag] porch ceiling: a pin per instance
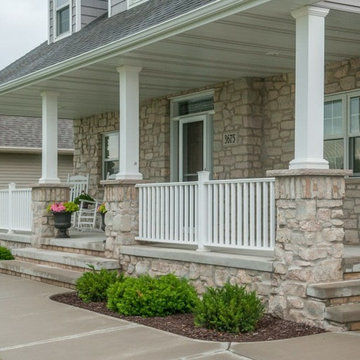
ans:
(259, 42)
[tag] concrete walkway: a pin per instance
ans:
(34, 327)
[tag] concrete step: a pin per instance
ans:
(72, 261)
(338, 289)
(85, 246)
(348, 314)
(48, 274)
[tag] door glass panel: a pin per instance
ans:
(193, 150)
(355, 115)
(334, 153)
(333, 122)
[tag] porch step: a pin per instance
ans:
(48, 274)
(77, 262)
(86, 246)
(338, 289)
(348, 314)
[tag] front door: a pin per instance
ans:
(192, 147)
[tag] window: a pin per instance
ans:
(342, 131)
(62, 17)
(110, 154)
(191, 136)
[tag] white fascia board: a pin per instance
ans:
(193, 19)
(31, 150)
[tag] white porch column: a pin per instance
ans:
(49, 138)
(309, 104)
(129, 124)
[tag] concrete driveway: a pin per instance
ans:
(34, 327)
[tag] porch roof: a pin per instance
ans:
(254, 38)
(99, 33)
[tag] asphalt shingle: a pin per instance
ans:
(27, 132)
(100, 32)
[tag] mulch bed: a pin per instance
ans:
(269, 328)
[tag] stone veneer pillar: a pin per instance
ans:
(309, 239)
(43, 222)
(122, 219)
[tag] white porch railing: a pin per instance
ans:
(224, 214)
(15, 209)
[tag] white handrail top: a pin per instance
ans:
(237, 181)
(168, 184)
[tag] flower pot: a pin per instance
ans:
(103, 221)
(62, 223)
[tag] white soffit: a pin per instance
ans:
(341, 5)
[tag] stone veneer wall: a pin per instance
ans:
(88, 148)
(238, 109)
(200, 275)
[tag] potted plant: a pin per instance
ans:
(102, 211)
(62, 215)
(83, 196)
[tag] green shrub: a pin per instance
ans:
(5, 254)
(146, 296)
(92, 286)
(229, 309)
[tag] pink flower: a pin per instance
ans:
(57, 207)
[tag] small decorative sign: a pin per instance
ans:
(230, 139)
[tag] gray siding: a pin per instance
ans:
(118, 6)
(92, 9)
(25, 169)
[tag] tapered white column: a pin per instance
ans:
(309, 104)
(129, 124)
(49, 138)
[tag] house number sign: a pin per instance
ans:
(230, 139)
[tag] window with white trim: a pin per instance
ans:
(342, 131)
(62, 17)
(110, 154)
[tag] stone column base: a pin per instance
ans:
(309, 240)
(43, 221)
(121, 199)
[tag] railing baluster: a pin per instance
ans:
(176, 205)
(258, 234)
(172, 210)
(221, 213)
(216, 214)
(272, 215)
(210, 222)
(239, 205)
(246, 215)
(191, 214)
(265, 207)
(233, 214)
(227, 215)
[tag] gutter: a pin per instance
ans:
(193, 19)
(31, 150)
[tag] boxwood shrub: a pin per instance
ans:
(92, 286)
(148, 297)
(5, 254)
(229, 309)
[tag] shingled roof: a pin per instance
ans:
(20, 132)
(100, 32)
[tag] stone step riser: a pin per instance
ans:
(64, 260)
(343, 300)
(53, 264)
(39, 278)
(74, 251)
